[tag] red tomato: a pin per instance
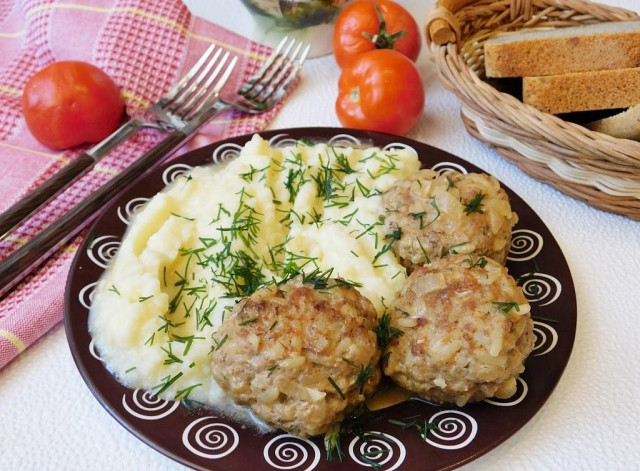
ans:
(381, 91)
(367, 25)
(69, 103)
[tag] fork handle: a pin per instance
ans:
(63, 179)
(24, 260)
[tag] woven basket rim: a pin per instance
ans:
(607, 158)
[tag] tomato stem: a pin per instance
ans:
(354, 96)
(382, 39)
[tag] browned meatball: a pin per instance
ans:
(466, 331)
(300, 355)
(448, 214)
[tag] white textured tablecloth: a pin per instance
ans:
(50, 421)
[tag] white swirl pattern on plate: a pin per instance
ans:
(344, 140)
(146, 406)
(546, 338)
(92, 351)
(210, 439)
(539, 287)
(443, 167)
(282, 140)
(126, 212)
(225, 152)
(455, 430)
(291, 452)
(399, 145)
(525, 245)
(175, 171)
(103, 249)
(517, 398)
(85, 296)
(383, 449)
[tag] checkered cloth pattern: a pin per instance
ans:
(145, 46)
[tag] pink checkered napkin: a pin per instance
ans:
(145, 46)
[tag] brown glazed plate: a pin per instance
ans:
(203, 440)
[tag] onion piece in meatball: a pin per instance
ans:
(466, 331)
(447, 214)
(301, 355)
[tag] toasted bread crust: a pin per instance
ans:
(601, 46)
(583, 91)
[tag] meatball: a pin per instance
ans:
(466, 331)
(301, 355)
(436, 215)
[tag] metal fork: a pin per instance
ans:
(179, 110)
(186, 107)
(269, 85)
(260, 93)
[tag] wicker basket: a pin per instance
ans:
(598, 169)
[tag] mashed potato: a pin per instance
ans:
(218, 234)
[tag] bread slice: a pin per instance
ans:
(583, 91)
(625, 125)
(600, 46)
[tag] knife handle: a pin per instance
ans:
(25, 259)
(27, 206)
(59, 182)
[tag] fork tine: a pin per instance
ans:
(188, 92)
(206, 88)
(267, 64)
(267, 73)
(296, 69)
(170, 96)
(268, 87)
(201, 89)
(213, 95)
(277, 88)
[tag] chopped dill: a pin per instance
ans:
(506, 307)
(171, 357)
(337, 388)
(342, 162)
(450, 183)
(385, 332)
(167, 324)
(332, 445)
(393, 237)
(452, 250)
(184, 393)
(249, 321)
(150, 339)
(218, 344)
(419, 216)
(422, 426)
(181, 216)
(187, 341)
(366, 372)
(480, 262)
(424, 252)
(166, 382)
(475, 205)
